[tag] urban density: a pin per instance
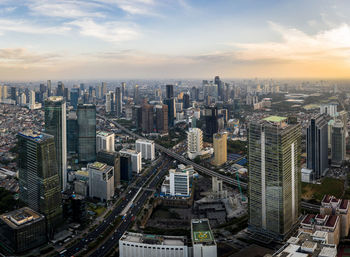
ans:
(100, 161)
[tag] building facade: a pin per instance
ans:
(274, 149)
(105, 141)
(86, 114)
(101, 181)
(220, 148)
(136, 159)
(338, 143)
(147, 148)
(194, 142)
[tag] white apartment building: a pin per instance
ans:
(136, 159)
(104, 141)
(179, 182)
(147, 148)
(194, 142)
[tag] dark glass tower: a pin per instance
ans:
(74, 97)
(317, 146)
(55, 125)
(118, 102)
(211, 121)
(169, 91)
(72, 133)
(86, 114)
(38, 176)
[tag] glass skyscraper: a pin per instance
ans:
(55, 124)
(274, 150)
(86, 114)
(39, 185)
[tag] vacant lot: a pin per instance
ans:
(330, 186)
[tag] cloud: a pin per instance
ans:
(327, 45)
(108, 31)
(21, 56)
(134, 7)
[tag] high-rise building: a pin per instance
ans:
(49, 89)
(162, 118)
(147, 118)
(169, 91)
(104, 141)
(118, 102)
(170, 102)
(186, 101)
(86, 114)
(147, 148)
(108, 104)
(338, 143)
(74, 97)
(211, 121)
(220, 148)
(13, 93)
(194, 142)
(218, 82)
(123, 89)
(136, 159)
(111, 159)
(104, 89)
(101, 181)
(179, 182)
(136, 95)
(343, 116)
(39, 184)
(274, 150)
(31, 103)
(317, 146)
(4, 92)
(125, 167)
(72, 133)
(137, 116)
(60, 89)
(55, 125)
(330, 109)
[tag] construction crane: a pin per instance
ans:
(239, 186)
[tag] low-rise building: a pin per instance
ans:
(136, 244)
(22, 229)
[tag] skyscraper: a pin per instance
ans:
(137, 116)
(162, 118)
(218, 82)
(220, 148)
(274, 149)
(147, 118)
(338, 143)
(60, 89)
(317, 146)
(194, 142)
(211, 121)
(49, 89)
(169, 91)
(72, 133)
(186, 101)
(86, 114)
(123, 89)
(38, 176)
(170, 102)
(55, 125)
(74, 97)
(136, 95)
(118, 102)
(104, 89)
(13, 93)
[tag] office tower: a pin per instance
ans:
(111, 159)
(104, 141)
(343, 116)
(118, 102)
(99, 91)
(104, 89)
(39, 183)
(4, 92)
(338, 143)
(218, 82)
(162, 118)
(125, 167)
(136, 159)
(211, 121)
(136, 95)
(55, 125)
(170, 102)
(43, 88)
(49, 89)
(147, 118)
(169, 91)
(72, 133)
(86, 99)
(317, 146)
(66, 94)
(60, 89)
(108, 104)
(1, 89)
(86, 114)
(194, 142)
(220, 148)
(186, 101)
(74, 97)
(22, 230)
(101, 181)
(274, 149)
(82, 87)
(13, 93)
(123, 89)
(147, 148)
(137, 116)
(179, 182)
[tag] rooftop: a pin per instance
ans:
(55, 98)
(36, 136)
(154, 239)
(201, 232)
(104, 133)
(275, 119)
(21, 217)
(97, 165)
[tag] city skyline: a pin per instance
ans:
(143, 39)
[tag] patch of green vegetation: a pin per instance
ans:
(330, 186)
(237, 146)
(7, 203)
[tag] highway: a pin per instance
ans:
(196, 166)
(99, 230)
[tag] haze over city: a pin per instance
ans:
(110, 39)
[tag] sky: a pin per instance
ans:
(160, 39)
